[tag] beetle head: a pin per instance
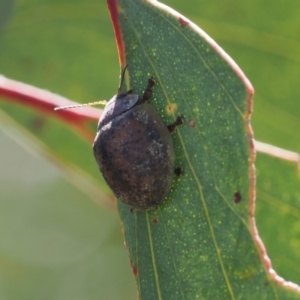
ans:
(117, 105)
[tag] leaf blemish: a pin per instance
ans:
(134, 269)
(266, 283)
(38, 123)
(171, 108)
(178, 171)
(155, 220)
(183, 22)
(237, 197)
(192, 123)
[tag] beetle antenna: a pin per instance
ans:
(122, 79)
(103, 102)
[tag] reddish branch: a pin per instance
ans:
(114, 14)
(45, 102)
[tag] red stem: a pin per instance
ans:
(45, 102)
(114, 12)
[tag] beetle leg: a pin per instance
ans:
(148, 91)
(177, 122)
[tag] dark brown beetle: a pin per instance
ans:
(134, 149)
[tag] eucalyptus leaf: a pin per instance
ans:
(198, 242)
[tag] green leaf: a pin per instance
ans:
(198, 243)
(278, 205)
(6, 8)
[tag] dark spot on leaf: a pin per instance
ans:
(171, 108)
(178, 171)
(155, 220)
(237, 197)
(38, 123)
(266, 283)
(134, 269)
(183, 22)
(192, 123)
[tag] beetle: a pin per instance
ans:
(134, 148)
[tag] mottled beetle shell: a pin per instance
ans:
(134, 151)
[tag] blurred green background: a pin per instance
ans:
(55, 242)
